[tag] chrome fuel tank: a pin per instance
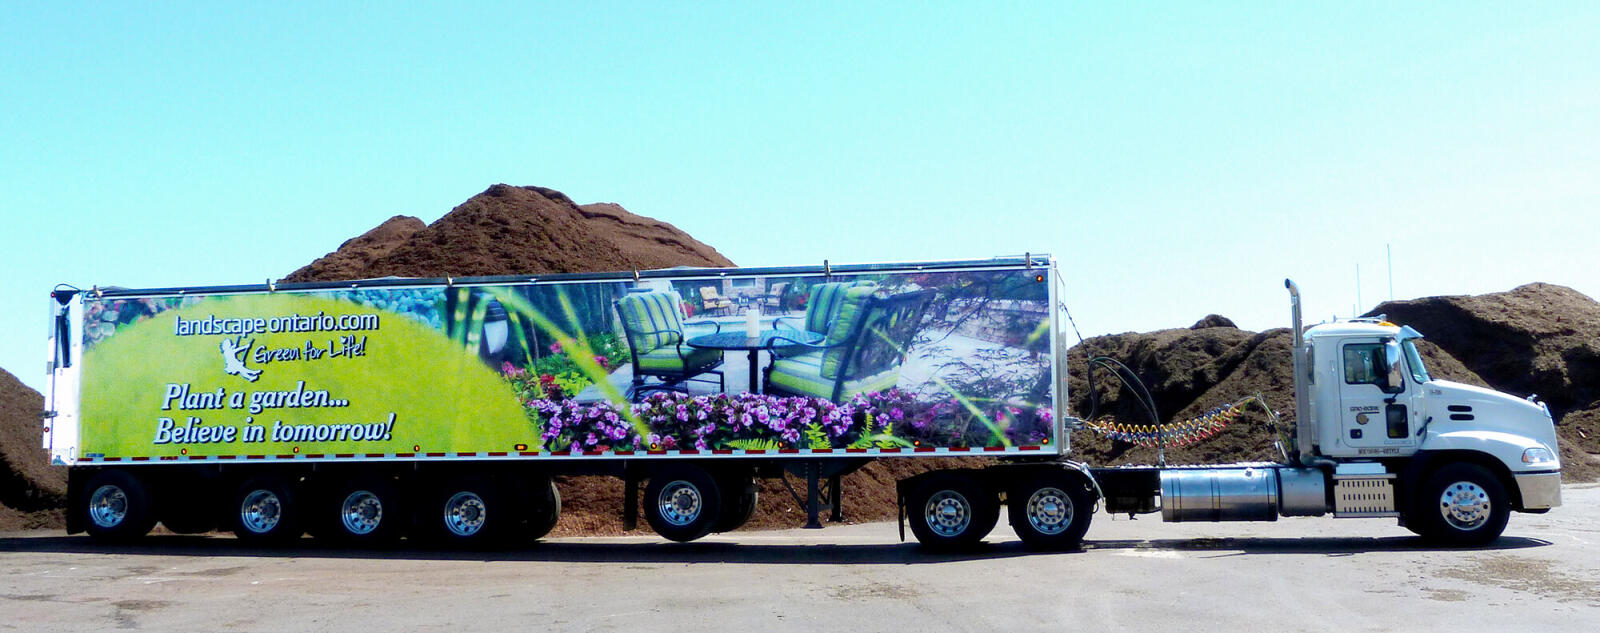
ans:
(1219, 494)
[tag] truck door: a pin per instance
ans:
(1374, 406)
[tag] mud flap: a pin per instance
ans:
(900, 515)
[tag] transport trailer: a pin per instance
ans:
(372, 410)
(441, 409)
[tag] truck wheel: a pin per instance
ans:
(265, 511)
(365, 511)
(682, 502)
(739, 496)
(1051, 510)
(117, 506)
(1461, 505)
(951, 511)
(544, 508)
(468, 512)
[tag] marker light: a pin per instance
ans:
(1537, 456)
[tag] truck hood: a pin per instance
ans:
(1459, 410)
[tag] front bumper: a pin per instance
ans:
(1540, 491)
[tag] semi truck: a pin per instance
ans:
(443, 409)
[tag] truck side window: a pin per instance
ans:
(1363, 365)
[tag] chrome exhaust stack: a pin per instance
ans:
(1302, 405)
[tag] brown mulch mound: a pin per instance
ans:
(510, 230)
(31, 491)
(354, 258)
(1579, 434)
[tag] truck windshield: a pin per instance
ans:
(1419, 372)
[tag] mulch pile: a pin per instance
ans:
(31, 491)
(510, 230)
(1536, 338)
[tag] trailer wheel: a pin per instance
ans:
(951, 511)
(117, 507)
(739, 497)
(365, 511)
(543, 501)
(682, 502)
(1051, 510)
(265, 510)
(469, 512)
(1461, 505)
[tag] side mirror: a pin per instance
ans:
(1392, 366)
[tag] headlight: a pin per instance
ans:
(1537, 456)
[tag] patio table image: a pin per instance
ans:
(739, 341)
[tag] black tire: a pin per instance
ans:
(951, 511)
(544, 505)
(364, 511)
(739, 497)
(265, 510)
(469, 511)
(682, 502)
(117, 507)
(1460, 505)
(1051, 509)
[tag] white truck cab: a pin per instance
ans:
(1371, 397)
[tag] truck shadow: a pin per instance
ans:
(1328, 545)
(634, 551)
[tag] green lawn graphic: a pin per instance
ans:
(443, 398)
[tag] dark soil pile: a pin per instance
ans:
(510, 230)
(1580, 445)
(31, 491)
(355, 258)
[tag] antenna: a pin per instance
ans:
(1358, 292)
(1388, 255)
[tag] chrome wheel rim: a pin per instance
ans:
(465, 513)
(1465, 505)
(261, 511)
(680, 503)
(108, 506)
(361, 512)
(948, 513)
(1049, 511)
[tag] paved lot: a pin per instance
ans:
(1299, 574)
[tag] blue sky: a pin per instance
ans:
(1179, 160)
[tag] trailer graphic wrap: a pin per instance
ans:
(884, 360)
(265, 374)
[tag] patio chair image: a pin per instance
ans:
(822, 305)
(714, 301)
(863, 350)
(773, 299)
(654, 329)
